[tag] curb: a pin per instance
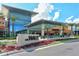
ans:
(11, 52)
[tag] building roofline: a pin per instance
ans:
(45, 21)
(14, 9)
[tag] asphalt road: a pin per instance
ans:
(70, 48)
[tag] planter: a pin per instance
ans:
(17, 47)
(9, 48)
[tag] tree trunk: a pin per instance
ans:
(13, 28)
(9, 26)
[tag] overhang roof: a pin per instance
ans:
(20, 10)
(45, 22)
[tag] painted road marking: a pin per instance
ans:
(48, 46)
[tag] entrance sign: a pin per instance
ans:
(23, 39)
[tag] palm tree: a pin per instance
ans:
(13, 21)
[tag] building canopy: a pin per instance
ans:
(42, 21)
(37, 26)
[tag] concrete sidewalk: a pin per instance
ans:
(11, 52)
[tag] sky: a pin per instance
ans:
(65, 10)
(61, 12)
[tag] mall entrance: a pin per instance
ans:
(47, 28)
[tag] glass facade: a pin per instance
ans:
(20, 21)
(37, 28)
(49, 29)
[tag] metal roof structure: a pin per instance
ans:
(45, 22)
(19, 10)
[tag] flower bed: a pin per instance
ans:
(8, 48)
(46, 42)
(40, 43)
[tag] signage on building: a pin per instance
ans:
(2, 23)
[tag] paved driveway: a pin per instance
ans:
(70, 48)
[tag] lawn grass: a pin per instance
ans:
(61, 41)
(76, 36)
(66, 40)
(2, 43)
(8, 38)
(9, 43)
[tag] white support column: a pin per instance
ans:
(61, 30)
(71, 30)
(28, 31)
(77, 31)
(42, 29)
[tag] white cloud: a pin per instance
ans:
(76, 20)
(43, 10)
(69, 19)
(56, 16)
(44, 7)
